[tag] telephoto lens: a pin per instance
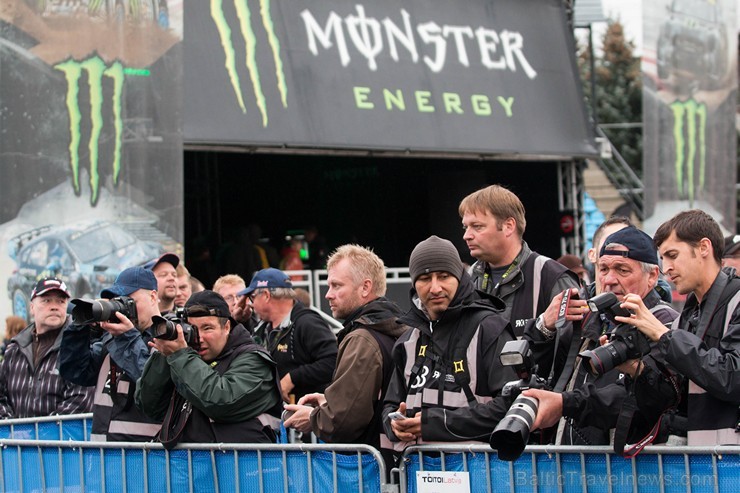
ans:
(512, 433)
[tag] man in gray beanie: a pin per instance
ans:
(440, 390)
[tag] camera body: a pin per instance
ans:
(165, 328)
(511, 435)
(626, 342)
(87, 311)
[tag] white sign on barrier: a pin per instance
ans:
(442, 482)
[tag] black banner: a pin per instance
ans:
(422, 75)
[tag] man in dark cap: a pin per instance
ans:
(114, 361)
(297, 338)
(731, 253)
(590, 405)
(29, 383)
(216, 386)
(165, 270)
(447, 375)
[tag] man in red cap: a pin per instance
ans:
(29, 383)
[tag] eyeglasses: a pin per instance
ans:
(232, 298)
(253, 295)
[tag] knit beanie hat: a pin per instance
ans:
(435, 255)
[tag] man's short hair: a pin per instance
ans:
(278, 293)
(690, 227)
(181, 270)
(499, 202)
(612, 220)
(228, 280)
(364, 264)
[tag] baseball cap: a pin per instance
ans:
(267, 279)
(49, 284)
(207, 303)
(732, 245)
(572, 262)
(170, 258)
(639, 244)
(130, 280)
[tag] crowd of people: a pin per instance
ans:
(608, 362)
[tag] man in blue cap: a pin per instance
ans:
(116, 360)
(299, 340)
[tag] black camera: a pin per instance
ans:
(626, 342)
(87, 311)
(512, 433)
(166, 328)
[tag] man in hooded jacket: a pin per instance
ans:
(447, 376)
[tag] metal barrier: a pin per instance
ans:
(29, 466)
(568, 469)
(62, 427)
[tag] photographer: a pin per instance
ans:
(447, 376)
(591, 403)
(221, 388)
(114, 361)
(703, 344)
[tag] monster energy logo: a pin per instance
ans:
(689, 135)
(96, 71)
(244, 15)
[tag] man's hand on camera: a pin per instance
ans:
(169, 347)
(550, 408)
(301, 418)
(118, 328)
(577, 308)
(642, 318)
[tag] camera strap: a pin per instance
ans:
(573, 350)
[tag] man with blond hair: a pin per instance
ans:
(350, 409)
(228, 286)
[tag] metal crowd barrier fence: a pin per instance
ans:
(68, 466)
(63, 427)
(566, 469)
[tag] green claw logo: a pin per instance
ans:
(689, 135)
(96, 71)
(245, 27)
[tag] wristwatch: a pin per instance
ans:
(540, 324)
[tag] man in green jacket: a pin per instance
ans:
(211, 382)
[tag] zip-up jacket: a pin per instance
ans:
(112, 364)
(352, 411)
(234, 399)
(593, 403)
(29, 390)
(703, 345)
(458, 398)
(306, 348)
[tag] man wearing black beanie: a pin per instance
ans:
(447, 376)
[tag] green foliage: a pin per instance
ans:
(618, 91)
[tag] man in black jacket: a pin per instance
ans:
(703, 344)
(627, 263)
(447, 375)
(220, 389)
(299, 340)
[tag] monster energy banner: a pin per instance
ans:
(689, 100)
(493, 76)
(90, 141)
